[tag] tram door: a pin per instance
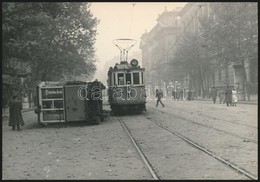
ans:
(75, 104)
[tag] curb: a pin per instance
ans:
(239, 102)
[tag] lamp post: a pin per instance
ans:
(175, 89)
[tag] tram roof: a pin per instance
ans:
(59, 84)
(125, 66)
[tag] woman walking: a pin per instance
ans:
(15, 115)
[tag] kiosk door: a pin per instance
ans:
(75, 108)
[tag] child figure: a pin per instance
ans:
(234, 97)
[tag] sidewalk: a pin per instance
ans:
(253, 100)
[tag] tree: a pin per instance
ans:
(55, 38)
(190, 59)
(231, 35)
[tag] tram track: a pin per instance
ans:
(207, 126)
(231, 165)
(233, 122)
(240, 170)
(146, 162)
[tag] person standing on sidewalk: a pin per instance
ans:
(15, 114)
(234, 97)
(174, 94)
(159, 95)
(214, 94)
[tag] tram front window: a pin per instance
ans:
(136, 78)
(128, 78)
(120, 79)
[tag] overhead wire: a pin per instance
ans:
(131, 22)
(180, 35)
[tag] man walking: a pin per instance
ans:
(159, 95)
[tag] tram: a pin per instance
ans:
(69, 102)
(126, 89)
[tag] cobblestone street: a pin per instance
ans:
(80, 151)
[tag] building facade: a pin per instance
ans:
(158, 54)
(156, 50)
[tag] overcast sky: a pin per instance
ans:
(124, 20)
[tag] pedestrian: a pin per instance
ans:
(228, 96)
(177, 94)
(159, 95)
(214, 94)
(189, 95)
(234, 97)
(174, 94)
(15, 114)
(181, 94)
(221, 96)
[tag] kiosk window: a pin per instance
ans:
(128, 78)
(136, 78)
(120, 78)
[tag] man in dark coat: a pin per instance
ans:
(15, 115)
(228, 96)
(214, 94)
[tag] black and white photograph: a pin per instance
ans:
(129, 90)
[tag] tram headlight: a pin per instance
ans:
(134, 62)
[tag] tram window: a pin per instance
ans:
(142, 78)
(58, 104)
(47, 104)
(136, 78)
(114, 76)
(120, 78)
(53, 115)
(128, 78)
(52, 93)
